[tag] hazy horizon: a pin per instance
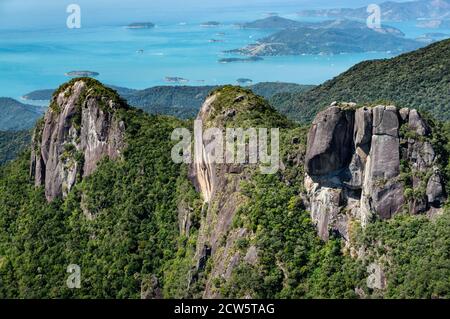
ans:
(52, 13)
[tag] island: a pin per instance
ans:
(82, 74)
(434, 24)
(391, 11)
(249, 59)
(274, 22)
(175, 79)
(327, 38)
(210, 24)
(141, 25)
(244, 81)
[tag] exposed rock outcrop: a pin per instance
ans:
(369, 162)
(329, 141)
(220, 186)
(78, 130)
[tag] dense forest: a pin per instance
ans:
(12, 144)
(121, 225)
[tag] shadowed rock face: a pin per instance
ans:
(330, 152)
(78, 130)
(353, 166)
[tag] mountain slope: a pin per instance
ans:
(328, 41)
(274, 22)
(12, 144)
(391, 11)
(418, 79)
(154, 228)
(17, 116)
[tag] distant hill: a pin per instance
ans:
(12, 144)
(331, 37)
(185, 101)
(180, 101)
(274, 22)
(39, 95)
(390, 11)
(268, 89)
(17, 116)
(418, 79)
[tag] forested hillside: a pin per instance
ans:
(419, 79)
(137, 226)
(12, 144)
(17, 116)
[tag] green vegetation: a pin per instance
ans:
(12, 144)
(417, 80)
(95, 89)
(134, 224)
(16, 116)
(416, 251)
(120, 224)
(240, 107)
(181, 101)
(293, 261)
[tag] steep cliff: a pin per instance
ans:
(370, 163)
(220, 183)
(77, 131)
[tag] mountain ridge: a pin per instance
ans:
(416, 79)
(139, 221)
(391, 11)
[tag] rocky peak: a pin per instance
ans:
(219, 183)
(77, 131)
(369, 162)
(229, 107)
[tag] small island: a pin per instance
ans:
(175, 79)
(249, 59)
(244, 81)
(210, 24)
(82, 74)
(141, 25)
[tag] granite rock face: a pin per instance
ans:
(369, 162)
(219, 185)
(78, 130)
(329, 141)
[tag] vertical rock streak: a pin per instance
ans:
(78, 130)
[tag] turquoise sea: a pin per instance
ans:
(36, 53)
